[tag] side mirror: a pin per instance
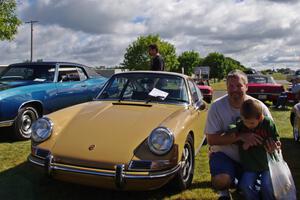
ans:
(200, 105)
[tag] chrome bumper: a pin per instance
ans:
(6, 123)
(119, 174)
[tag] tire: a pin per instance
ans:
(184, 177)
(296, 130)
(23, 122)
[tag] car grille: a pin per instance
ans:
(42, 153)
(140, 164)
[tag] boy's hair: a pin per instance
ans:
(237, 73)
(153, 46)
(251, 108)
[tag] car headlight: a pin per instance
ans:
(41, 129)
(160, 141)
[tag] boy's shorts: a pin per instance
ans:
(220, 163)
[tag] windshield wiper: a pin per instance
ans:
(123, 91)
(150, 98)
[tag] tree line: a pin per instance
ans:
(136, 58)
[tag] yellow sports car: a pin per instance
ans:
(143, 130)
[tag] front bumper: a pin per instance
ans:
(111, 179)
(6, 123)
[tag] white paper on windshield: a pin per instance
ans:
(39, 79)
(158, 93)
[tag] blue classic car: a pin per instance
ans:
(29, 90)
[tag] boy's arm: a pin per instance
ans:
(272, 143)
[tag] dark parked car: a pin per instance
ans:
(264, 88)
(29, 90)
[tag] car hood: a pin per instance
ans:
(4, 85)
(102, 134)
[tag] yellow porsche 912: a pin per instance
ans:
(142, 131)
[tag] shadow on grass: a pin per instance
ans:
(291, 150)
(5, 137)
(25, 182)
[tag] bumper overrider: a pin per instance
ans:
(113, 179)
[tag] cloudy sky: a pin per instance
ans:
(258, 33)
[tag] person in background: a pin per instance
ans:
(254, 159)
(224, 160)
(157, 61)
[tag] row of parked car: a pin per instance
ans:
(133, 131)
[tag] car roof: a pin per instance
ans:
(45, 63)
(155, 72)
(89, 70)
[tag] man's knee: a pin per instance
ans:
(221, 181)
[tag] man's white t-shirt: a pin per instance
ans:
(220, 116)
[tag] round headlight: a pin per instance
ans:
(160, 141)
(41, 129)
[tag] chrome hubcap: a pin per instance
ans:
(26, 122)
(187, 164)
(28, 118)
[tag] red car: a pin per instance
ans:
(264, 88)
(206, 90)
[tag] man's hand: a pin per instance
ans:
(271, 145)
(250, 139)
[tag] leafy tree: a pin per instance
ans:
(232, 64)
(137, 57)
(216, 63)
(9, 21)
(189, 60)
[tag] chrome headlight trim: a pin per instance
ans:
(41, 129)
(160, 140)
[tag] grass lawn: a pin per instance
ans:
(19, 180)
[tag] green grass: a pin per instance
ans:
(19, 180)
(217, 86)
(278, 76)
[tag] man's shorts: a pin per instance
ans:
(220, 163)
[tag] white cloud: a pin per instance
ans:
(257, 33)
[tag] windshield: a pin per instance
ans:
(28, 73)
(260, 79)
(145, 87)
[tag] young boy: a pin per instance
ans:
(254, 159)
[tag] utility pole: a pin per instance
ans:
(31, 38)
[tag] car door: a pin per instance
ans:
(198, 112)
(71, 85)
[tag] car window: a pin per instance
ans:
(257, 79)
(81, 73)
(39, 73)
(194, 91)
(68, 74)
(136, 87)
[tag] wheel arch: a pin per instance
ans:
(38, 105)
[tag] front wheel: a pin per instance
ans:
(23, 122)
(184, 178)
